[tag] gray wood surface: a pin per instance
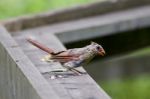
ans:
(19, 78)
(77, 12)
(98, 26)
(71, 87)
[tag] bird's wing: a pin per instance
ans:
(68, 55)
(61, 56)
(62, 59)
(64, 56)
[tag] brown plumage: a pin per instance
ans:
(71, 58)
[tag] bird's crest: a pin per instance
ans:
(93, 43)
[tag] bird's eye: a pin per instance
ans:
(98, 48)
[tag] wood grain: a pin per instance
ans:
(71, 87)
(19, 78)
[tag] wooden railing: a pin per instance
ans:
(73, 13)
(24, 76)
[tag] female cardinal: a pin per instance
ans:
(71, 58)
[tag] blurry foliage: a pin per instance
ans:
(12, 8)
(135, 87)
(141, 52)
(129, 88)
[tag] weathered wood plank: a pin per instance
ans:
(72, 13)
(98, 26)
(19, 79)
(73, 87)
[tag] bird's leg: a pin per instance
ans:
(72, 70)
(72, 65)
(77, 71)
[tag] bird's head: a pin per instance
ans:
(98, 48)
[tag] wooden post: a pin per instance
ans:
(19, 78)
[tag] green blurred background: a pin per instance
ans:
(134, 87)
(12, 8)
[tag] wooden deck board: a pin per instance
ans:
(19, 78)
(71, 87)
(28, 76)
(97, 26)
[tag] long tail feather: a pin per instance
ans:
(40, 46)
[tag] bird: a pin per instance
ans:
(71, 58)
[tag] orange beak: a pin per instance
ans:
(102, 52)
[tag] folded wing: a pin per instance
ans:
(61, 56)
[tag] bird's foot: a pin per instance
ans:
(62, 74)
(77, 72)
